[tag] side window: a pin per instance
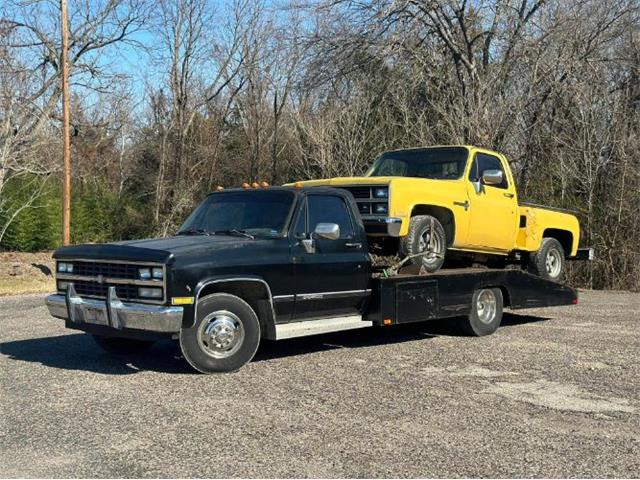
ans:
(483, 162)
(329, 209)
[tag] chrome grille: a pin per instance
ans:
(364, 208)
(93, 289)
(365, 199)
(93, 278)
(109, 270)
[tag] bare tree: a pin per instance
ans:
(30, 78)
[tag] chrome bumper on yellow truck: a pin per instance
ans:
(390, 226)
(112, 312)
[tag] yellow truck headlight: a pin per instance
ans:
(381, 192)
(380, 208)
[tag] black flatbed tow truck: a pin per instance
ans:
(276, 263)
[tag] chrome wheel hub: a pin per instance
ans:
(220, 334)
(486, 306)
(553, 263)
(431, 243)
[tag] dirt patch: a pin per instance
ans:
(559, 396)
(469, 371)
(23, 272)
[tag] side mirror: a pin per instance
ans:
(328, 231)
(492, 177)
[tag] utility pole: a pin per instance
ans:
(66, 146)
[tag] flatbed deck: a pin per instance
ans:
(406, 298)
(414, 298)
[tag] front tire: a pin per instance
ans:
(425, 234)
(549, 261)
(121, 346)
(225, 336)
(486, 312)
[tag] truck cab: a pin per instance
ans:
(291, 254)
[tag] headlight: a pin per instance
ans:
(62, 286)
(65, 267)
(380, 208)
(144, 273)
(157, 273)
(150, 292)
(381, 192)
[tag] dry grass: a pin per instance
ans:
(19, 286)
(22, 272)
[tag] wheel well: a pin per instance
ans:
(254, 292)
(506, 298)
(564, 237)
(444, 216)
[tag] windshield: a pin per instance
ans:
(445, 163)
(260, 213)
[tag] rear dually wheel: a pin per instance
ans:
(486, 312)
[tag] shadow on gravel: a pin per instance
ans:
(79, 351)
(372, 337)
(513, 319)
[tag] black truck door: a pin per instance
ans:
(332, 280)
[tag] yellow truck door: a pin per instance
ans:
(493, 209)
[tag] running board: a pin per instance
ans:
(322, 325)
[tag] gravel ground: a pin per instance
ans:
(554, 393)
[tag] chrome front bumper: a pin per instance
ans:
(112, 312)
(390, 226)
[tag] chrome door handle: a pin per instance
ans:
(508, 195)
(353, 245)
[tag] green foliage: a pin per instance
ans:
(38, 226)
(93, 210)
(98, 215)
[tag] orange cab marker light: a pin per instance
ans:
(246, 185)
(219, 188)
(298, 184)
(264, 184)
(255, 185)
(387, 321)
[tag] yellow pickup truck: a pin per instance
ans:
(458, 198)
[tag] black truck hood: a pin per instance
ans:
(154, 250)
